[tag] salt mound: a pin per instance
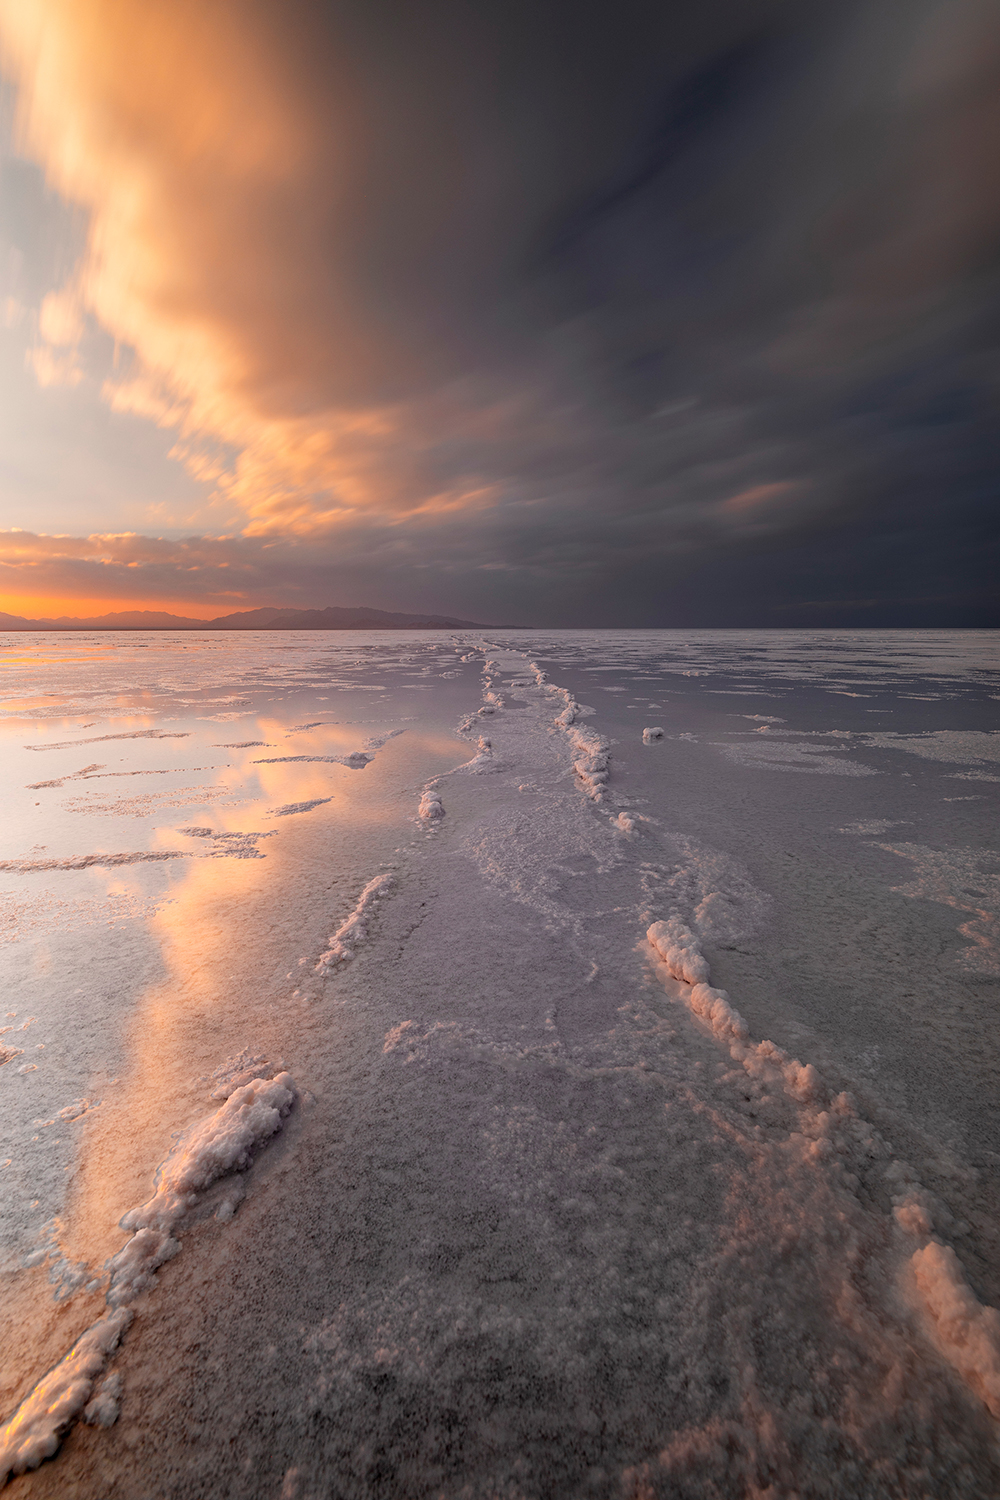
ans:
(431, 806)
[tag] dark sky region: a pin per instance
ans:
(673, 313)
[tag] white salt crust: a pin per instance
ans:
(132, 734)
(483, 761)
(591, 752)
(431, 807)
(102, 1408)
(356, 761)
(226, 846)
(764, 755)
(298, 807)
(221, 1144)
(354, 929)
(36, 1428)
(93, 861)
(968, 882)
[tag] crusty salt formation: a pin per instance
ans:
(354, 929)
(223, 1143)
(431, 807)
(606, 1215)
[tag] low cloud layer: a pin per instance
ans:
(532, 312)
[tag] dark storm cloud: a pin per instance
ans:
(571, 314)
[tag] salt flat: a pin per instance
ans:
(499, 1100)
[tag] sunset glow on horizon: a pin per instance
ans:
(35, 607)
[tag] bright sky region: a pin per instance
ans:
(549, 313)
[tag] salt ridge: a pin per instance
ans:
(964, 1331)
(133, 734)
(354, 929)
(591, 752)
(356, 761)
(223, 1143)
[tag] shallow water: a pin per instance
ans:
(541, 1217)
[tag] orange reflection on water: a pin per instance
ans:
(230, 939)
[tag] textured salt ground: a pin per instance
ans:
(366, 1407)
(851, 962)
(849, 970)
(390, 1366)
(508, 1256)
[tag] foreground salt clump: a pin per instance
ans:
(431, 806)
(102, 1409)
(219, 1145)
(134, 1268)
(966, 1332)
(649, 735)
(35, 1430)
(354, 930)
(222, 1143)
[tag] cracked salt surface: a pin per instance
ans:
(645, 1145)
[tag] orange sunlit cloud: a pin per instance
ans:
(208, 250)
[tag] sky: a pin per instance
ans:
(664, 314)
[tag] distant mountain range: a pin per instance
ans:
(248, 619)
